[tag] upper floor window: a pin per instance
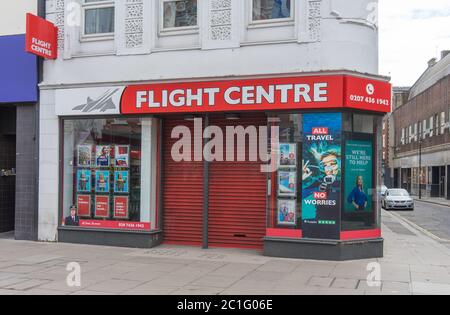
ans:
(98, 17)
(179, 14)
(272, 10)
(436, 119)
(443, 124)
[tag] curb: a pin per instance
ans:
(419, 228)
(432, 202)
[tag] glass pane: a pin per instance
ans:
(102, 174)
(361, 201)
(180, 13)
(99, 21)
(271, 9)
(285, 205)
(363, 123)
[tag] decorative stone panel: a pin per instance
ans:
(221, 23)
(55, 13)
(134, 23)
(314, 20)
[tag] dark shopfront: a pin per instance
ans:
(18, 139)
(286, 165)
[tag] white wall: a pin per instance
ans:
(48, 168)
(342, 37)
(12, 15)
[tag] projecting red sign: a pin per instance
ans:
(41, 37)
(289, 93)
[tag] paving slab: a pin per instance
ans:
(323, 282)
(114, 286)
(430, 288)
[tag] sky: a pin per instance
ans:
(411, 32)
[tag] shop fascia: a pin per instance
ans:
(266, 94)
(235, 95)
(324, 92)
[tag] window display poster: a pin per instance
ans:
(84, 155)
(288, 155)
(358, 176)
(287, 183)
(102, 206)
(321, 175)
(121, 207)
(121, 182)
(122, 155)
(102, 155)
(84, 181)
(84, 205)
(286, 212)
(102, 181)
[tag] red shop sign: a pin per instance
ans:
(41, 37)
(290, 93)
(102, 206)
(115, 225)
(365, 94)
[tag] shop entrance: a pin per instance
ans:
(237, 193)
(236, 199)
(182, 190)
(7, 168)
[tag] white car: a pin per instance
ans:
(397, 199)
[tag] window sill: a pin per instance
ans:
(271, 23)
(96, 38)
(179, 31)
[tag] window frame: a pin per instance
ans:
(183, 30)
(96, 5)
(271, 22)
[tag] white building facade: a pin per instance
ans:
(110, 48)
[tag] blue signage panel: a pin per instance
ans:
(18, 71)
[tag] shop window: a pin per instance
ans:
(107, 182)
(360, 199)
(272, 10)
(285, 204)
(306, 187)
(363, 123)
(98, 18)
(178, 15)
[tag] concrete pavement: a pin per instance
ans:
(413, 264)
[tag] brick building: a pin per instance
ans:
(399, 97)
(422, 138)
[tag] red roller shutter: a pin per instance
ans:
(182, 192)
(237, 196)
